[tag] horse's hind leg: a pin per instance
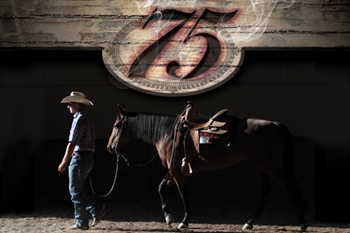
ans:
(295, 194)
(290, 183)
(265, 189)
(166, 182)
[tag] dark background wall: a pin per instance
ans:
(308, 90)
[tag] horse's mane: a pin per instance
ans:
(150, 126)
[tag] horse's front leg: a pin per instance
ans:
(163, 186)
(183, 190)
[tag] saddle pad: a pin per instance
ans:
(208, 138)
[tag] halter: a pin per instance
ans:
(122, 121)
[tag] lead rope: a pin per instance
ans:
(115, 179)
(137, 165)
(116, 172)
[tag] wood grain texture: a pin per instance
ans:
(174, 47)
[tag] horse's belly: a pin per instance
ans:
(214, 157)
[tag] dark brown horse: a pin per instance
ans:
(267, 144)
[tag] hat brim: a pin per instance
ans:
(77, 99)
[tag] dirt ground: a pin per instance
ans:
(213, 213)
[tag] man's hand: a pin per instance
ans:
(67, 155)
(62, 167)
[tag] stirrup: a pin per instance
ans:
(186, 168)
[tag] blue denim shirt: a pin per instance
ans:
(82, 132)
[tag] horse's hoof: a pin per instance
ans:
(247, 227)
(303, 227)
(182, 225)
(169, 218)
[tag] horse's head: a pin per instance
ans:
(120, 134)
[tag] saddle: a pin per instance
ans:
(217, 124)
(197, 124)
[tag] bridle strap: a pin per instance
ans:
(121, 128)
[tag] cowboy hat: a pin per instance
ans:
(77, 97)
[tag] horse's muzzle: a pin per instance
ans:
(113, 149)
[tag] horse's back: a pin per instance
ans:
(260, 140)
(255, 124)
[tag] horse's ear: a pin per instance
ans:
(122, 109)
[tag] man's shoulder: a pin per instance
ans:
(86, 117)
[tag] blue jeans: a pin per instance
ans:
(84, 204)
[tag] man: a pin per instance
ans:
(80, 149)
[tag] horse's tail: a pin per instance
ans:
(288, 163)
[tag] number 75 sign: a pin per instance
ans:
(175, 52)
